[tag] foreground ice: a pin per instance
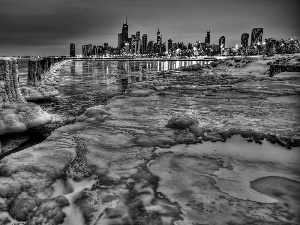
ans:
(120, 164)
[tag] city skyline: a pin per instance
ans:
(45, 28)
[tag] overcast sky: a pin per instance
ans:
(47, 27)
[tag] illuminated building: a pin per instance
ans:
(170, 44)
(130, 43)
(105, 46)
(94, 51)
(120, 40)
(207, 38)
(244, 40)
(150, 47)
(126, 48)
(124, 33)
(99, 50)
(87, 50)
(72, 50)
(144, 44)
(256, 36)
(137, 42)
(159, 38)
(132, 46)
(222, 41)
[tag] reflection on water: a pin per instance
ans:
(77, 77)
(94, 75)
(88, 83)
(133, 66)
(91, 69)
(23, 71)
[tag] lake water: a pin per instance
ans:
(98, 68)
(87, 83)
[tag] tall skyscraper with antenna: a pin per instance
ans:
(159, 37)
(124, 33)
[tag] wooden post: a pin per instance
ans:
(9, 85)
(34, 72)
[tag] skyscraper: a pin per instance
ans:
(137, 42)
(124, 33)
(256, 36)
(244, 40)
(126, 48)
(94, 51)
(170, 44)
(222, 41)
(72, 50)
(99, 50)
(144, 44)
(159, 37)
(86, 50)
(163, 48)
(105, 46)
(133, 43)
(207, 38)
(138, 35)
(130, 43)
(120, 40)
(150, 47)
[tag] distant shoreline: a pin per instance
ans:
(141, 59)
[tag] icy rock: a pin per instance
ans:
(182, 122)
(20, 117)
(37, 93)
(93, 113)
(21, 207)
(9, 187)
(50, 212)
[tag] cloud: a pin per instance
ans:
(49, 21)
(30, 24)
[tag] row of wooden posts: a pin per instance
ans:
(39, 66)
(277, 68)
(9, 78)
(9, 84)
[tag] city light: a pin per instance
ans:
(134, 47)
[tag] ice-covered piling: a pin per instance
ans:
(9, 85)
(37, 67)
(34, 72)
(274, 69)
(16, 115)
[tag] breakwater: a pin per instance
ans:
(16, 115)
(275, 69)
(9, 85)
(37, 67)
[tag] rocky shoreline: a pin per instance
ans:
(16, 114)
(163, 155)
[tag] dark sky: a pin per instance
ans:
(38, 27)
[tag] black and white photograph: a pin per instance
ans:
(138, 112)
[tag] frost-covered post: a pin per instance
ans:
(34, 72)
(9, 84)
